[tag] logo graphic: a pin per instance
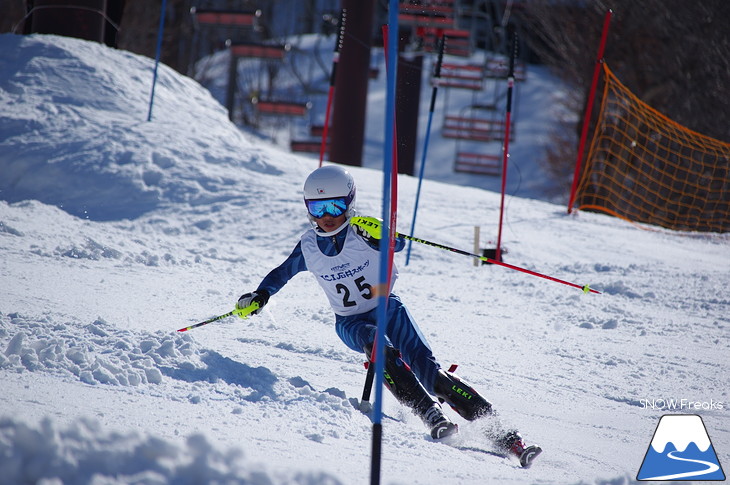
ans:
(681, 449)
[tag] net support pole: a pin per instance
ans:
(589, 108)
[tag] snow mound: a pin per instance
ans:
(108, 154)
(84, 452)
(100, 353)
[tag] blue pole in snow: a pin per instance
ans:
(379, 352)
(437, 75)
(157, 57)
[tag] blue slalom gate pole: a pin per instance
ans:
(385, 241)
(157, 57)
(437, 75)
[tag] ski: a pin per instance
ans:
(510, 446)
(526, 457)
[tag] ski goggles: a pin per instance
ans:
(334, 207)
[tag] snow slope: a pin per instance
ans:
(115, 232)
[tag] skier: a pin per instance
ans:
(344, 256)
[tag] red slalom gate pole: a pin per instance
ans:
(505, 151)
(373, 227)
(585, 288)
(394, 167)
(589, 109)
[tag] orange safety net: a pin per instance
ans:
(644, 167)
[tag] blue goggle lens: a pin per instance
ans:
(334, 207)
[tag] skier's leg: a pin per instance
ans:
(461, 396)
(470, 405)
(403, 384)
(356, 331)
(405, 335)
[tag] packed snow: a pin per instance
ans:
(115, 232)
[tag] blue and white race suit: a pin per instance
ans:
(347, 268)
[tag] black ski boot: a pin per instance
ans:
(408, 390)
(440, 425)
(461, 396)
(513, 444)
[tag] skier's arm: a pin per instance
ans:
(275, 280)
(279, 276)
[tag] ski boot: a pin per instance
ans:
(440, 425)
(408, 390)
(461, 396)
(513, 444)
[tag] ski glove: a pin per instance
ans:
(259, 296)
(369, 228)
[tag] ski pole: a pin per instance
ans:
(369, 223)
(585, 288)
(243, 313)
(365, 405)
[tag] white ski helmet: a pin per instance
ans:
(329, 183)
